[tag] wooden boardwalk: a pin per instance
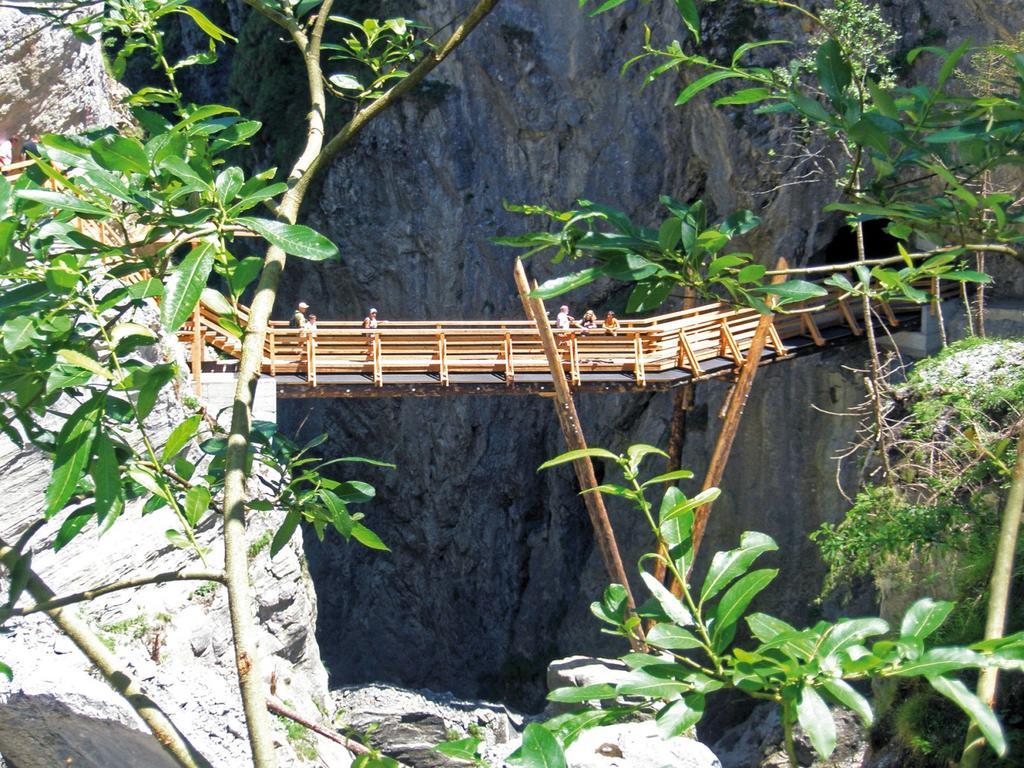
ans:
(422, 358)
(488, 357)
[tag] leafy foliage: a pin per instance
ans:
(683, 250)
(381, 50)
(806, 671)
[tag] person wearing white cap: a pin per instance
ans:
(370, 321)
(299, 318)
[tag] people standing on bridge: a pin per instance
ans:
(611, 324)
(589, 320)
(311, 326)
(299, 318)
(370, 324)
(564, 321)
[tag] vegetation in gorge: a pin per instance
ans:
(956, 429)
(106, 221)
(692, 649)
(920, 158)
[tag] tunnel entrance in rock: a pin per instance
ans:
(842, 248)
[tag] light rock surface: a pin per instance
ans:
(406, 724)
(51, 81)
(175, 637)
(636, 745)
(758, 742)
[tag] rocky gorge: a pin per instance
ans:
(493, 567)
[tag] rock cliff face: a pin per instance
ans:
(492, 566)
(174, 638)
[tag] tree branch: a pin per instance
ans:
(830, 268)
(113, 671)
(117, 586)
(313, 158)
(359, 120)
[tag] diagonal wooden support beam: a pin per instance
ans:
(573, 433)
(730, 426)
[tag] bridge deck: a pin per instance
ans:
(419, 358)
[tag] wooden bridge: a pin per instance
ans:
(423, 358)
(488, 357)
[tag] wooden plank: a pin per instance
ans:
(730, 426)
(812, 329)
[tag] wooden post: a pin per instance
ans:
(570, 423)
(723, 446)
(272, 342)
(851, 321)
(638, 362)
(510, 368)
(311, 360)
(442, 357)
(378, 368)
(197, 350)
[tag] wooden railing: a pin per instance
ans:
(693, 340)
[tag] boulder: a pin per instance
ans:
(637, 745)
(406, 724)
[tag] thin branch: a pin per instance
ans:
(113, 671)
(350, 744)
(117, 586)
(828, 268)
(378, 105)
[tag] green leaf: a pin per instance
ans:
(72, 526)
(565, 458)
(61, 201)
(668, 477)
(20, 574)
(814, 717)
(180, 436)
(846, 633)
(705, 82)
(559, 285)
(6, 671)
(688, 10)
(745, 96)
(578, 695)
(924, 617)
(726, 566)
(106, 477)
(120, 153)
(976, 709)
(643, 683)
(467, 749)
(673, 608)
(939, 661)
(284, 533)
(844, 693)
(197, 501)
(541, 749)
(185, 172)
(211, 29)
(679, 716)
(19, 332)
(368, 538)
(735, 601)
(74, 446)
(672, 638)
(185, 286)
(834, 71)
(294, 239)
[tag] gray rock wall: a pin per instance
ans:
(493, 566)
